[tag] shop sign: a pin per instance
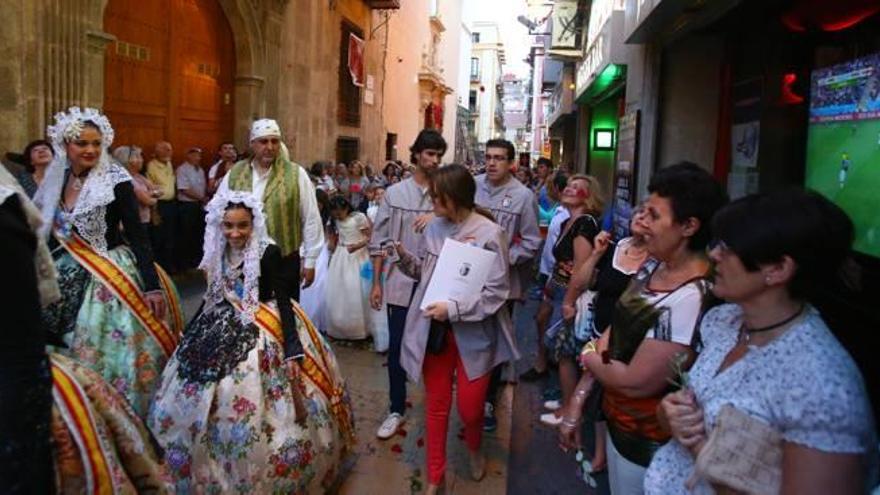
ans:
(625, 173)
(600, 12)
(564, 22)
(604, 42)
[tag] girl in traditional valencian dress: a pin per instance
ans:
(119, 313)
(252, 400)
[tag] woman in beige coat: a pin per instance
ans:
(476, 334)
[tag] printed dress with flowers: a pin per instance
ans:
(99, 444)
(225, 413)
(95, 326)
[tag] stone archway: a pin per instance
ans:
(66, 67)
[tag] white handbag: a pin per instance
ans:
(583, 322)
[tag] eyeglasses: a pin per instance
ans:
(497, 158)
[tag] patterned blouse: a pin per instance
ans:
(803, 384)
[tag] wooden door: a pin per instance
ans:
(170, 74)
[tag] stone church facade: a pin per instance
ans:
(287, 56)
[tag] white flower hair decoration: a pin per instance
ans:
(69, 125)
(215, 249)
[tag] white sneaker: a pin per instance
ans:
(552, 405)
(390, 426)
(551, 419)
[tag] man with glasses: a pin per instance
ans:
(516, 211)
(289, 202)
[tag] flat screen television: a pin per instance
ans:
(843, 143)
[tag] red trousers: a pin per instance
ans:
(439, 370)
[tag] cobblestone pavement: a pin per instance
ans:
(523, 455)
(397, 465)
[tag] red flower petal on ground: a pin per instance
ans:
(408, 404)
(420, 442)
(460, 436)
(396, 449)
(402, 432)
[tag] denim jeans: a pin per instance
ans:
(396, 374)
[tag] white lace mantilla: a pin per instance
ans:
(89, 213)
(215, 250)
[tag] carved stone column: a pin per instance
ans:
(249, 104)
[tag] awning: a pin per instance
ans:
(670, 19)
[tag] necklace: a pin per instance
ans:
(640, 253)
(746, 333)
(79, 179)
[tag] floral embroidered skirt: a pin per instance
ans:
(102, 333)
(99, 444)
(225, 415)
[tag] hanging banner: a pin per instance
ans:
(625, 173)
(564, 22)
(356, 60)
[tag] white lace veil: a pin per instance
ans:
(88, 215)
(215, 248)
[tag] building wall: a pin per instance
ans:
(408, 35)
(452, 45)
(287, 58)
(489, 50)
(689, 101)
(309, 81)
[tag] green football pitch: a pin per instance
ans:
(859, 195)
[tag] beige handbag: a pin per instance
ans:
(742, 453)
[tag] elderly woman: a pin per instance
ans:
(655, 320)
(146, 193)
(37, 157)
(770, 355)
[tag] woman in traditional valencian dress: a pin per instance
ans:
(117, 315)
(62, 428)
(252, 400)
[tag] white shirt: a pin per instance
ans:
(553, 231)
(191, 177)
(310, 216)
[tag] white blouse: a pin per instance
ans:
(804, 384)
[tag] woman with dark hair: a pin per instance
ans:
(388, 173)
(475, 334)
(252, 400)
(37, 157)
(770, 356)
(321, 173)
(119, 313)
(655, 321)
(348, 312)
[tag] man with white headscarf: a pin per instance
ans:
(288, 196)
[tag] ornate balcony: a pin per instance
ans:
(384, 4)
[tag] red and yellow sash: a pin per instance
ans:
(76, 411)
(315, 368)
(124, 288)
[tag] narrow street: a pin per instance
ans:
(523, 454)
